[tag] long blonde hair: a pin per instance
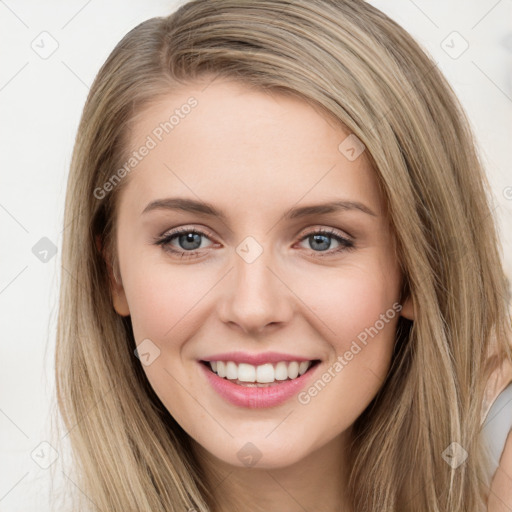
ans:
(364, 71)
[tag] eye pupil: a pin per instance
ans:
(189, 238)
(317, 239)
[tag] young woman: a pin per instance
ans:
(283, 286)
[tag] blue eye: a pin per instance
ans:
(189, 241)
(319, 239)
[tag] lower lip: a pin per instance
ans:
(257, 397)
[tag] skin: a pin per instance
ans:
(255, 155)
(500, 496)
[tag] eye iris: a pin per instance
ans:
(316, 238)
(189, 238)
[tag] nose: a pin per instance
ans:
(256, 297)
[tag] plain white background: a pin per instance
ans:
(41, 98)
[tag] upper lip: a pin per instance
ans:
(256, 359)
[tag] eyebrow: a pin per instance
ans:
(200, 207)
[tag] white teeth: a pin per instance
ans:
(303, 367)
(293, 370)
(246, 372)
(264, 373)
(281, 371)
(221, 369)
(231, 371)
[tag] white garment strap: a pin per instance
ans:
(497, 426)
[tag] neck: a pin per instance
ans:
(316, 482)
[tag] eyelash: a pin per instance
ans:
(165, 240)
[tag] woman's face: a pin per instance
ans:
(266, 272)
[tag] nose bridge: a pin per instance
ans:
(257, 297)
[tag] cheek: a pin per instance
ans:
(357, 315)
(164, 308)
(347, 302)
(352, 377)
(163, 303)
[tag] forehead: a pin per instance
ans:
(258, 147)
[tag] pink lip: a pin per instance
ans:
(255, 397)
(256, 359)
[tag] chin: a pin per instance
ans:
(258, 453)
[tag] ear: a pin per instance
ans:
(407, 310)
(116, 287)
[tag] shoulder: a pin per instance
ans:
(500, 496)
(497, 425)
(497, 433)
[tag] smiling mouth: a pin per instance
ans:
(264, 375)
